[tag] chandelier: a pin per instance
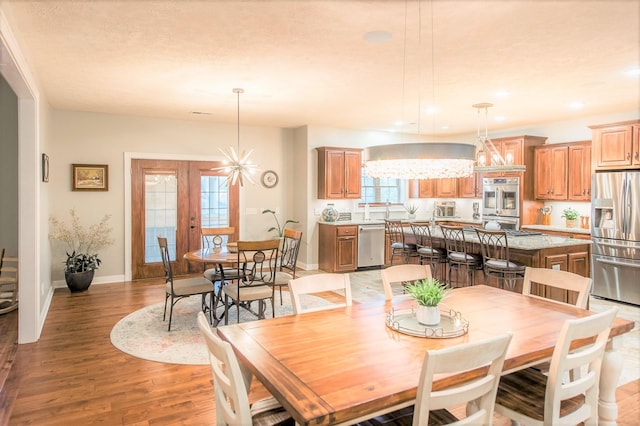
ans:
(488, 157)
(237, 165)
(420, 160)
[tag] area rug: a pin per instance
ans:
(143, 334)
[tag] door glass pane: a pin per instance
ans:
(214, 194)
(161, 214)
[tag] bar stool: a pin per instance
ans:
(395, 230)
(427, 250)
(457, 255)
(495, 258)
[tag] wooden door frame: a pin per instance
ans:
(128, 156)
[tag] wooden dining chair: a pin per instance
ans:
(8, 283)
(288, 259)
(256, 266)
(231, 384)
(319, 283)
(496, 260)
(534, 398)
(402, 274)
(177, 289)
(479, 392)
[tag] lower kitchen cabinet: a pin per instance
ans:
(338, 248)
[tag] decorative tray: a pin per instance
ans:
(451, 323)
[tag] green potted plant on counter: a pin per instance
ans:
(428, 293)
(83, 244)
(570, 216)
(411, 209)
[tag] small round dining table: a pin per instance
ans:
(221, 257)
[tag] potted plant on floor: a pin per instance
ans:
(83, 244)
(428, 292)
(570, 215)
(279, 229)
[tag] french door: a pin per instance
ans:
(175, 199)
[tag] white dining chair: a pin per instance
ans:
(319, 283)
(402, 274)
(231, 383)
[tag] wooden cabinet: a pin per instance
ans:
(616, 146)
(563, 171)
(422, 188)
(470, 187)
(579, 188)
(447, 188)
(339, 173)
(338, 248)
(550, 180)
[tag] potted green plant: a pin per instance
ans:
(83, 244)
(428, 293)
(411, 209)
(279, 229)
(570, 215)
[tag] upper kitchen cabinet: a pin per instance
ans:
(579, 188)
(470, 187)
(550, 180)
(339, 173)
(616, 146)
(447, 188)
(422, 188)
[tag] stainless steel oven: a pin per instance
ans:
(501, 197)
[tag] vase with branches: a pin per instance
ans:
(82, 244)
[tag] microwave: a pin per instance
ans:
(446, 208)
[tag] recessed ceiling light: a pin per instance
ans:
(377, 36)
(445, 127)
(499, 118)
(576, 105)
(431, 110)
(200, 113)
(398, 123)
(502, 94)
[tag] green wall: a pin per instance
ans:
(8, 168)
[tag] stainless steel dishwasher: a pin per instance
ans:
(370, 245)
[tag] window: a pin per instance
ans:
(377, 191)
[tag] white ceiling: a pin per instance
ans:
(306, 62)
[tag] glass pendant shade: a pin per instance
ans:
(420, 161)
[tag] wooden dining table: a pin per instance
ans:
(343, 365)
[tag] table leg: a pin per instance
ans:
(609, 376)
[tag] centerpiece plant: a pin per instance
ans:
(412, 209)
(82, 247)
(428, 293)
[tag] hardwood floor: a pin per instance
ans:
(73, 375)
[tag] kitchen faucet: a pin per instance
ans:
(437, 211)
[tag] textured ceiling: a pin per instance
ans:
(307, 62)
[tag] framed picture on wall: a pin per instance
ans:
(90, 177)
(45, 167)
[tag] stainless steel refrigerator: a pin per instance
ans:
(615, 231)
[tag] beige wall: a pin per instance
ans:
(92, 138)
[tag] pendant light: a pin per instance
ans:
(420, 160)
(488, 157)
(237, 164)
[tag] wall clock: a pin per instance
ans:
(269, 179)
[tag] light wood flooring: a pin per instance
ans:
(73, 375)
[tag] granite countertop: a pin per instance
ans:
(526, 242)
(558, 228)
(405, 220)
